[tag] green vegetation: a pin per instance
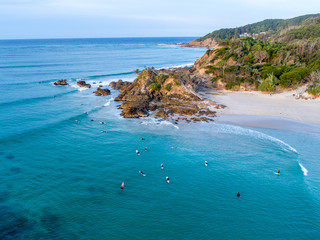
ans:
(161, 78)
(168, 87)
(269, 26)
(268, 84)
(253, 61)
(314, 89)
(177, 82)
(155, 86)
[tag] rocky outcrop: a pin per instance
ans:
(163, 93)
(209, 42)
(61, 82)
(83, 84)
(119, 84)
(102, 92)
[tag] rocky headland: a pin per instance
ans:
(168, 94)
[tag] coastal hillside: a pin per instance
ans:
(262, 30)
(284, 60)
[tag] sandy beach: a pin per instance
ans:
(281, 105)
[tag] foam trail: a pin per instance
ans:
(304, 170)
(260, 135)
(108, 102)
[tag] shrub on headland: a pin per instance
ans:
(268, 84)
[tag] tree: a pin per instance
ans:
(261, 55)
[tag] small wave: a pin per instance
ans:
(249, 132)
(156, 122)
(108, 102)
(178, 66)
(304, 170)
(33, 66)
(36, 99)
(108, 75)
(30, 83)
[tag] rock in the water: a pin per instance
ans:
(83, 84)
(134, 109)
(102, 92)
(118, 85)
(161, 113)
(61, 82)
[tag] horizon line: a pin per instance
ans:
(70, 38)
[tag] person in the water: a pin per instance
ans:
(279, 172)
(142, 173)
(238, 194)
(161, 165)
(146, 149)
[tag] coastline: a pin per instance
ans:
(282, 105)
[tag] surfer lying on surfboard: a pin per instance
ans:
(277, 173)
(137, 152)
(142, 173)
(205, 163)
(161, 166)
(174, 147)
(122, 186)
(167, 178)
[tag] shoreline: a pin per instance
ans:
(253, 103)
(268, 122)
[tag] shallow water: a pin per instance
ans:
(61, 179)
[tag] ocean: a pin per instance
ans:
(61, 175)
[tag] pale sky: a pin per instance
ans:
(138, 18)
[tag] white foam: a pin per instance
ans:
(304, 170)
(260, 135)
(155, 122)
(108, 102)
(178, 66)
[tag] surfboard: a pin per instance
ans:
(276, 173)
(122, 186)
(168, 181)
(143, 174)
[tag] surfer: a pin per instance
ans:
(92, 120)
(278, 172)
(168, 180)
(122, 186)
(174, 147)
(137, 152)
(103, 131)
(205, 163)
(238, 194)
(142, 173)
(77, 121)
(145, 149)
(161, 165)
(103, 123)
(142, 139)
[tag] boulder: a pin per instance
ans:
(118, 85)
(83, 84)
(61, 82)
(102, 92)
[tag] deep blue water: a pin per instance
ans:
(61, 179)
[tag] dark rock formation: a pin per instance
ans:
(167, 92)
(102, 92)
(61, 82)
(83, 84)
(118, 85)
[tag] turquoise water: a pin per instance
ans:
(61, 179)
